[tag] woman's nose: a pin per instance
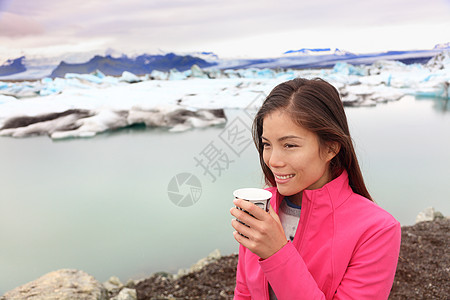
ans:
(276, 159)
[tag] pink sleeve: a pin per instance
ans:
(369, 274)
(241, 290)
(289, 276)
(371, 270)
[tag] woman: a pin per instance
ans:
(323, 237)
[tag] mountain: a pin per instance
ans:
(304, 58)
(307, 58)
(444, 46)
(140, 65)
(310, 51)
(13, 66)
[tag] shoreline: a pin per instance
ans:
(423, 272)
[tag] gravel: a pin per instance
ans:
(423, 271)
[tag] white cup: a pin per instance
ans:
(259, 197)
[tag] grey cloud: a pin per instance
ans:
(265, 15)
(181, 22)
(12, 25)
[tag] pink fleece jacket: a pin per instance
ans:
(345, 247)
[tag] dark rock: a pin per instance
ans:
(214, 281)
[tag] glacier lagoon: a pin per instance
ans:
(102, 204)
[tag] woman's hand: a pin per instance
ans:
(265, 233)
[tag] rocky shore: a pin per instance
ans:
(423, 272)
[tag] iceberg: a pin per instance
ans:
(440, 61)
(5, 99)
(174, 74)
(83, 105)
(129, 77)
(348, 69)
(83, 123)
(439, 90)
(99, 121)
(3, 85)
(24, 126)
(90, 78)
(158, 75)
(197, 72)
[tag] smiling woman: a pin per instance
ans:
(323, 237)
(296, 159)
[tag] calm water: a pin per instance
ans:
(101, 205)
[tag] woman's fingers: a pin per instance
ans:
(254, 210)
(241, 228)
(261, 233)
(243, 217)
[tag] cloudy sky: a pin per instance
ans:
(245, 28)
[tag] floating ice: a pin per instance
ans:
(84, 123)
(129, 77)
(197, 72)
(175, 75)
(82, 105)
(158, 75)
(5, 99)
(91, 78)
(440, 61)
(3, 85)
(348, 69)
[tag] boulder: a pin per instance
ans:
(126, 294)
(113, 285)
(428, 214)
(213, 256)
(61, 284)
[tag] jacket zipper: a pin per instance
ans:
(303, 222)
(266, 288)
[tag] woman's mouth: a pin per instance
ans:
(283, 178)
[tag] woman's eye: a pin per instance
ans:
(265, 145)
(290, 145)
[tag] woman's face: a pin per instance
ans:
(294, 156)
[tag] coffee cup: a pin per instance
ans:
(259, 197)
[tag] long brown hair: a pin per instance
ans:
(315, 105)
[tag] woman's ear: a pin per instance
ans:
(333, 150)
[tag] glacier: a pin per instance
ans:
(83, 105)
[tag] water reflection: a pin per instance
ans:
(439, 104)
